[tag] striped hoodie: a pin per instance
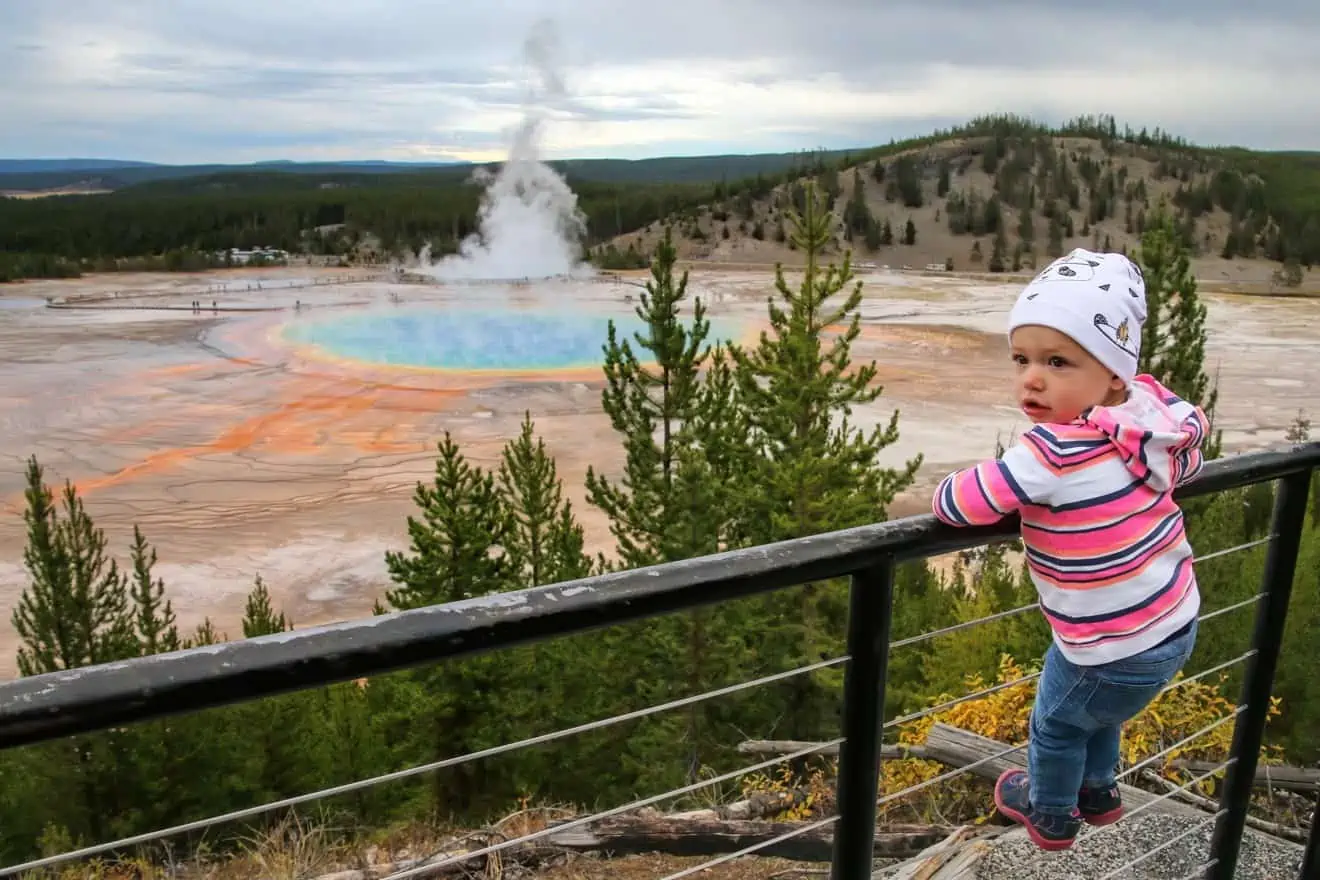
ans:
(1105, 541)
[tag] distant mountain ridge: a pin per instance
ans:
(27, 166)
(114, 174)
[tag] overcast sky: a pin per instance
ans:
(250, 80)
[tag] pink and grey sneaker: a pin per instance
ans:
(1049, 831)
(1100, 806)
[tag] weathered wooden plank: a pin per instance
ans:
(687, 837)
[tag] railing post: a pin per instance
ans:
(1311, 861)
(1249, 730)
(870, 604)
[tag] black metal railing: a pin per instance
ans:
(45, 707)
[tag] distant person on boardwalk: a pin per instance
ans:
(1105, 541)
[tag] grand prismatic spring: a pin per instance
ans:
(287, 442)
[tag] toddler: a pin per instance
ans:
(1105, 542)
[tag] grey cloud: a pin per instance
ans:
(379, 74)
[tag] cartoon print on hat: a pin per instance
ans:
(1066, 268)
(1121, 336)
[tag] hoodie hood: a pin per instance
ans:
(1153, 430)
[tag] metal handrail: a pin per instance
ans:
(56, 704)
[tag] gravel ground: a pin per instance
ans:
(1014, 857)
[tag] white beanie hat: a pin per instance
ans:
(1097, 299)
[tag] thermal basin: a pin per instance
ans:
(473, 340)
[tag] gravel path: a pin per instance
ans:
(1014, 857)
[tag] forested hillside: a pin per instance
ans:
(996, 194)
(724, 448)
(1005, 194)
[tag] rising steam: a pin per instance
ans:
(529, 224)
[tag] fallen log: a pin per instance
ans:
(789, 746)
(649, 833)
(961, 748)
(758, 806)
(1296, 835)
(628, 835)
(1267, 776)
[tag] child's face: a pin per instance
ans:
(1056, 378)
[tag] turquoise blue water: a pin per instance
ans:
(472, 340)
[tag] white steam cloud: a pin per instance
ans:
(529, 224)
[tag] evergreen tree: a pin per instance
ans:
(75, 609)
(856, 215)
(1173, 337)
(156, 626)
(259, 616)
(1054, 243)
(460, 519)
(544, 543)
(1026, 226)
(647, 515)
(454, 707)
(671, 503)
(812, 475)
(922, 604)
(290, 735)
(76, 612)
(998, 252)
(874, 236)
(809, 469)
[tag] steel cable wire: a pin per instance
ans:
(540, 739)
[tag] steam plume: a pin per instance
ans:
(528, 224)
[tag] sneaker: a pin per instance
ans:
(1100, 806)
(1047, 830)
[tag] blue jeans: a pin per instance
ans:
(1078, 715)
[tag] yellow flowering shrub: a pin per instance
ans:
(817, 783)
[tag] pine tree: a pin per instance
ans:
(922, 604)
(856, 215)
(1026, 226)
(75, 612)
(644, 508)
(813, 475)
(1054, 242)
(672, 502)
(460, 519)
(810, 469)
(998, 252)
(874, 237)
(454, 707)
(290, 735)
(259, 616)
(75, 609)
(544, 543)
(155, 624)
(1173, 337)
